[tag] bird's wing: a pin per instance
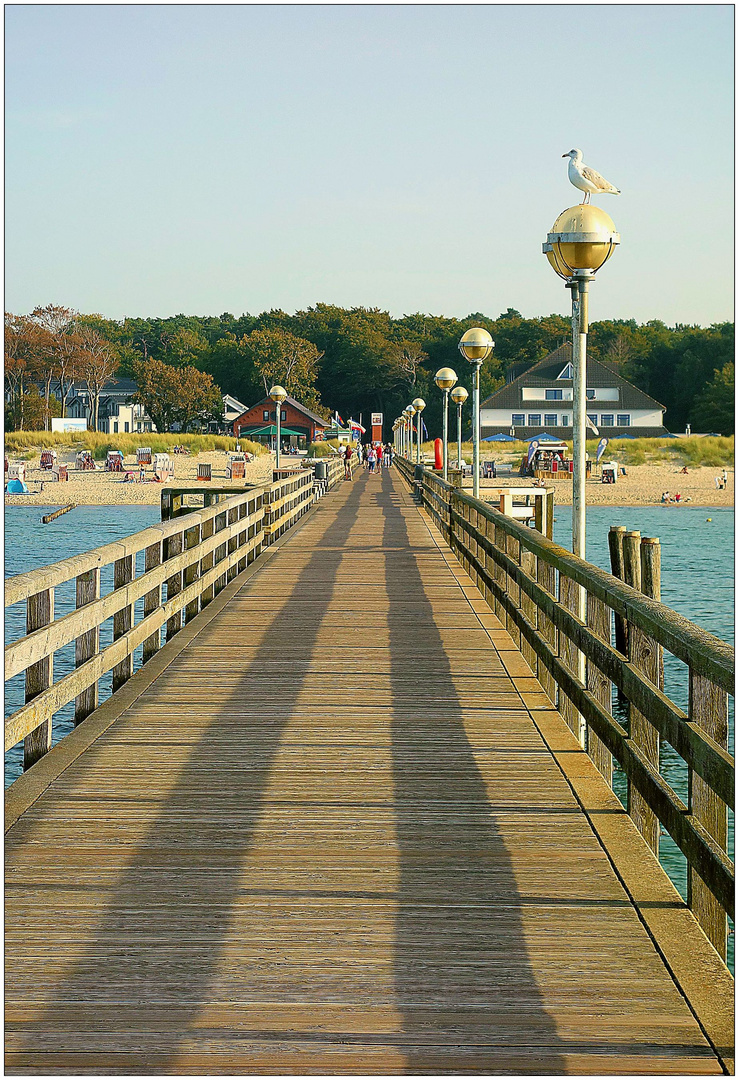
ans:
(595, 178)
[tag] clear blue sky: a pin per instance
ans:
(165, 159)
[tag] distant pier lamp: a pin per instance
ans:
(445, 378)
(475, 345)
(419, 405)
(459, 396)
(278, 395)
(410, 412)
(581, 241)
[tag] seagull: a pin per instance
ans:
(587, 179)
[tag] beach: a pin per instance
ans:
(642, 486)
(100, 488)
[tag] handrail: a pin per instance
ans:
(518, 570)
(192, 554)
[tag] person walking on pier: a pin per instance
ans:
(348, 462)
(371, 458)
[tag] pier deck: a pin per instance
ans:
(334, 829)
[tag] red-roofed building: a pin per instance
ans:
(299, 426)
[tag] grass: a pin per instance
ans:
(16, 442)
(323, 449)
(714, 452)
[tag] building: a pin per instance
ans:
(232, 409)
(540, 399)
(299, 426)
(116, 413)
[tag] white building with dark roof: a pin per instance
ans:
(540, 399)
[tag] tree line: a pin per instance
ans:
(361, 360)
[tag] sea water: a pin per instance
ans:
(697, 581)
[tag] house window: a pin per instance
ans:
(147, 425)
(593, 418)
(624, 420)
(550, 419)
(565, 420)
(125, 426)
(518, 419)
(553, 395)
(606, 420)
(566, 372)
(590, 394)
(265, 414)
(283, 414)
(115, 427)
(535, 419)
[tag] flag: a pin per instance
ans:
(601, 449)
(357, 427)
(589, 423)
(339, 421)
(533, 447)
(424, 429)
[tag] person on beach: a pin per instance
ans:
(724, 478)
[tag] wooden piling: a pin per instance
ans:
(616, 549)
(57, 513)
(651, 584)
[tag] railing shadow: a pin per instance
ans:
(132, 1000)
(464, 983)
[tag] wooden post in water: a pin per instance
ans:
(599, 685)
(39, 676)
(616, 549)
(87, 644)
(651, 584)
(709, 707)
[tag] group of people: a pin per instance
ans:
(722, 480)
(676, 498)
(371, 456)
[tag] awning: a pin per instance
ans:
(269, 429)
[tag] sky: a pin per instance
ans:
(210, 158)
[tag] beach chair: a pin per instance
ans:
(114, 461)
(205, 471)
(143, 455)
(48, 459)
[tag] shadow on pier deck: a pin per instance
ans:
(326, 835)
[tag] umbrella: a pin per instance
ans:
(499, 438)
(625, 437)
(544, 437)
(269, 429)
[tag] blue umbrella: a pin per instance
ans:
(625, 437)
(544, 437)
(669, 435)
(499, 438)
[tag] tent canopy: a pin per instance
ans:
(544, 437)
(499, 438)
(269, 429)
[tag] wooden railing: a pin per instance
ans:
(533, 586)
(193, 554)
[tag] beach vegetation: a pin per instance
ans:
(99, 443)
(695, 450)
(327, 448)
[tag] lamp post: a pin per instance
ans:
(581, 241)
(419, 405)
(474, 346)
(459, 396)
(278, 395)
(445, 378)
(410, 413)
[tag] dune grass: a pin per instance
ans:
(21, 442)
(694, 451)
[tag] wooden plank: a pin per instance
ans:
(599, 685)
(123, 574)
(86, 646)
(39, 676)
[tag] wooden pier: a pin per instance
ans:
(335, 825)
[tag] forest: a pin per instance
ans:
(358, 360)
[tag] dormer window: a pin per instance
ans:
(566, 372)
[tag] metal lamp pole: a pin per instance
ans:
(445, 378)
(474, 346)
(278, 395)
(419, 405)
(459, 396)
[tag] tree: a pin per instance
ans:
(98, 361)
(26, 347)
(176, 395)
(280, 357)
(713, 409)
(58, 354)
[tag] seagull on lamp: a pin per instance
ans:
(587, 179)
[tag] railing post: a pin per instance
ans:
(651, 585)
(513, 550)
(709, 708)
(192, 572)
(527, 562)
(152, 599)
(39, 676)
(232, 518)
(643, 654)
(499, 573)
(599, 621)
(173, 546)
(616, 535)
(87, 644)
(546, 575)
(569, 598)
(123, 571)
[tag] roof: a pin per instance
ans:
(112, 386)
(266, 400)
(546, 373)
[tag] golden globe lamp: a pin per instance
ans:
(583, 238)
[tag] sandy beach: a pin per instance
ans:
(101, 488)
(642, 486)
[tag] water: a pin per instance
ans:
(697, 581)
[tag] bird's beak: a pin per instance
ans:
(565, 155)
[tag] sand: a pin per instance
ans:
(642, 486)
(101, 488)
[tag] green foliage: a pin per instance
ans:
(31, 405)
(323, 449)
(99, 443)
(713, 409)
(176, 395)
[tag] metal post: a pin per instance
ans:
(277, 416)
(445, 462)
(418, 438)
(476, 431)
(459, 436)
